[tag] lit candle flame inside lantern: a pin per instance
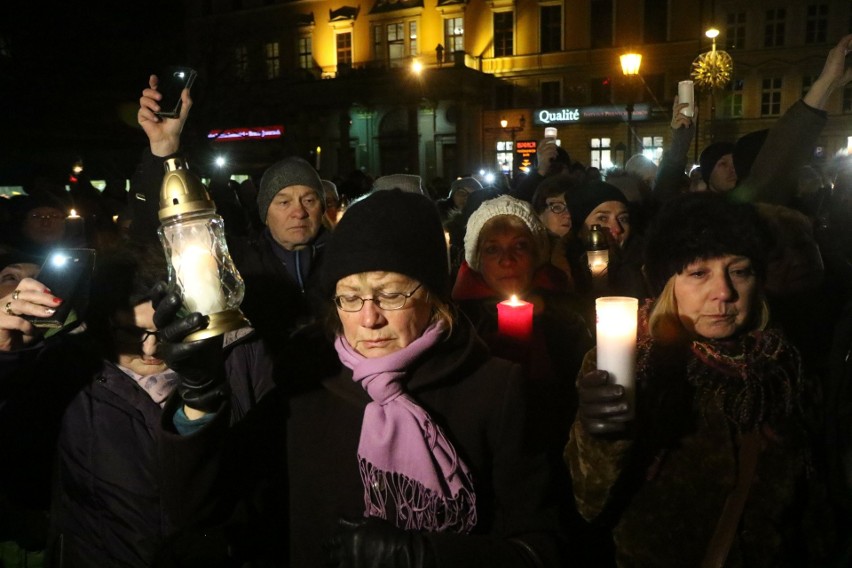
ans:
(198, 274)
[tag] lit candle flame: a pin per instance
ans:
(73, 213)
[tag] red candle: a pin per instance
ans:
(515, 319)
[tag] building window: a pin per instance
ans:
(306, 53)
(847, 98)
(396, 43)
(344, 49)
(601, 153)
(551, 28)
(504, 34)
(770, 98)
(816, 25)
(732, 103)
(551, 94)
(655, 21)
(241, 62)
(601, 23)
(652, 148)
(273, 61)
(453, 36)
(735, 30)
(600, 91)
(413, 48)
(773, 34)
(505, 156)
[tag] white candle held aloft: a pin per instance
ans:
(616, 342)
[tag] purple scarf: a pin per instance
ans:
(405, 459)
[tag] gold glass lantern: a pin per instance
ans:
(199, 264)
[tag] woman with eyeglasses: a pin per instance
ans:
(549, 203)
(415, 453)
(38, 223)
(79, 413)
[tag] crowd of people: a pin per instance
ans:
(375, 411)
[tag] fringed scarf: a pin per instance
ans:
(158, 386)
(405, 459)
(754, 377)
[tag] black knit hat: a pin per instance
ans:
(584, 199)
(712, 154)
(702, 226)
(746, 150)
(389, 231)
(287, 172)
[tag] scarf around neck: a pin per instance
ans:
(405, 459)
(158, 386)
(754, 378)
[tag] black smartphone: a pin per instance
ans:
(66, 273)
(172, 82)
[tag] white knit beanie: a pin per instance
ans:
(406, 182)
(504, 205)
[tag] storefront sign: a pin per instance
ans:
(604, 113)
(525, 154)
(252, 133)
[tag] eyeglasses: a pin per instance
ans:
(557, 208)
(135, 335)
(394, 301)
(53, 217)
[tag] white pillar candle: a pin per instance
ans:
(616, 342)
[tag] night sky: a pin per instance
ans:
(70, 80)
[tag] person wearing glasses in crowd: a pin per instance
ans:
(38, 223)
(89, 402)
(549, 203)
(416, 453)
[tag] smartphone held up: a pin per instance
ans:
(66, 273)
(172, 82)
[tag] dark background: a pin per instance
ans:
(70, 79)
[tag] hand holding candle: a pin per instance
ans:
(616, 342)
(515, 319)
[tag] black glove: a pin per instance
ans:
(201, 364)
(376, 543)
(603, 407)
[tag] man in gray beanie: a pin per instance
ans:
(280, 265)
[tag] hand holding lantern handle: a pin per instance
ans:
(201, 364)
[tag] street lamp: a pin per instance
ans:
(630, 64)
(711, 71)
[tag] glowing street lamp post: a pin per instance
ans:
(630, 64)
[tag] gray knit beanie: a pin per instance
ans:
(503, 205)
(289, 171)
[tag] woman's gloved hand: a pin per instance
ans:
(201, 364)
(376, 543)
(603, 407)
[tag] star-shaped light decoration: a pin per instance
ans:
(712, 70)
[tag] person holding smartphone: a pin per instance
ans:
(90, 403)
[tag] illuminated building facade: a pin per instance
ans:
(337, 75)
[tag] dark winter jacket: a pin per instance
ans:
(107, 504)
(477, 401)
(663, 487)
